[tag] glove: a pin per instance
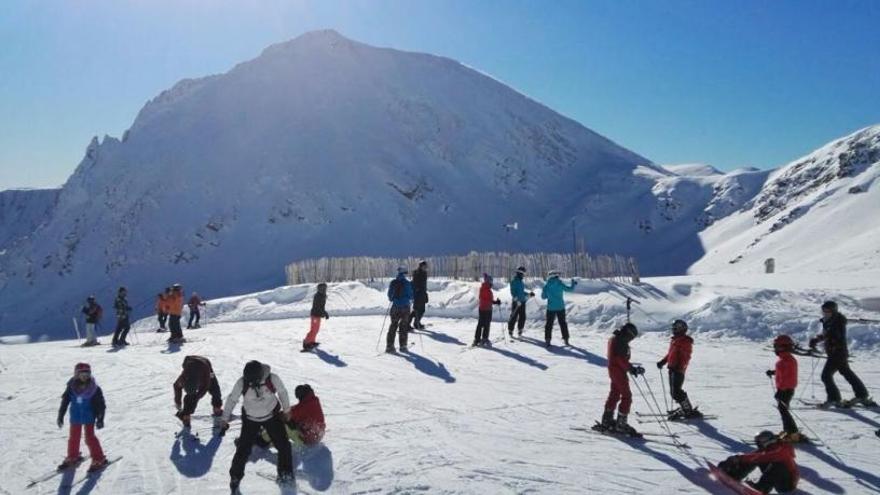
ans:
(574, 282)
(661, 364)
(497, 302)
(636, 370)
(60, 421)
(770, 373)
(100, 423)
(531, 294)
(813, 342)
(326, 316)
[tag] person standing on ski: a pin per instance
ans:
(487, 299)
(123, 312)
(774, 458)
(518, 297)
(677, 359)
(786, 379)
(264, 406)
(161, 310)
(86, 401)
(553, 293)
(93, 312)
(420, 295)
(194, 304)
(175, 311)
(619, 365)
(196, 379)
(400, 293)
(834, 338)
(315, 315)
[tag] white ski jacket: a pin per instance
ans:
(259, 403)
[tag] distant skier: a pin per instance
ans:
(194, 304)
(175, 311)
(196, 379)
(123, 312)
(265, 405)
(834, 338)
(487, 299)
(306, 425)
(553, 293)
(86, 401)
(786, 379)
(420, 295)
(519, 297)
(93, 312)
(774, 458)
(677, 359)
(315, 315)
(400, 293)
(618, 367)
(162, 310)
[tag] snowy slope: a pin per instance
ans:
(818, 214)
(22, 211)
(443, 420)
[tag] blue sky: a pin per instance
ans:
(755, 83)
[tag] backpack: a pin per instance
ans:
(268, 383)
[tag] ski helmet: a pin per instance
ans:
(122, 289)
(487, 278)
(553, 273)
(629, 330)
(765, 439)
(253, 373)
(303, 391)
(679, 327)
(521, 270)
(402, 270)
(82, 368)
(783, 343)
(423, 264)
(829, 306)
(322, 287)
(90, 299)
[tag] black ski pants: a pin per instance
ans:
(415, 319)
(250, 431)
(774, 475)
(174, 326)
(194, 313)
(783, 402)
(162, 317)
(548, 327)
(121, 332)
(190, 401)
(399, 321)
(676, 381)
(517, 316)
(483, 321)
(832, 366)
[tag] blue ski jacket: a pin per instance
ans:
(86, 402)
(400, 292)
(518, 290)
(552, 292)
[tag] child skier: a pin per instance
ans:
(86, 401)
(93, 312)
(774, 458)
(265, 404)
(197, 379)
(484, 320)
(677, 359)
(519, 297)
(553, 293)
(786, 375)
(317, 312)
(306, 425)
(618, 367)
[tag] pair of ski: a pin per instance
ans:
(847, 404)
(641, 437)
(59, 471)
(660, 418)
(730, 482)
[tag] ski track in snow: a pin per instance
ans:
(439, 421)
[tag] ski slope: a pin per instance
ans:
(442, 420)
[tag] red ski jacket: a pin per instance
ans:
(780, 452)
(786, 372)
(679, 355)
(308, 418)
(618, 354)
(205, 371)
(486, 296)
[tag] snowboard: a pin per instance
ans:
(731, 483)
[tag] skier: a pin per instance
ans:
(265, 404)
(93, 312)
(519, 297)
(552, 292)
(123, 310)
(161, 313)
(774, 458)
(786, 376)
(420, 295)
(676, 360)
(618, 367)
(194, 303)
(86, 401)
(481, 336)
(197, 379)
(317, 312)
(400, 293)
(175, 310)
(306, 425)
(834, 338)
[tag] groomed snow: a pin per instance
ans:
(443, 420)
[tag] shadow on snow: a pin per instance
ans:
(191, 457)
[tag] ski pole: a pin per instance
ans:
(663, 384)
(382, 329)
(663, 422)
(806, 425)
(76, 329)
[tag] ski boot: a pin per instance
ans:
(863, 401)
(688, 411)
(404, 348)
(828, 404)
(476, 343)
(286, 479)
(566, 343)
(608, 423)
(98, 465)
(233, 485)
(390, 349)
(70, 462)
(623, 427)
(486, 343)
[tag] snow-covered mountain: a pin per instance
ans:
(22, 211)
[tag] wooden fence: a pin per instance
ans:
(467, 267)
